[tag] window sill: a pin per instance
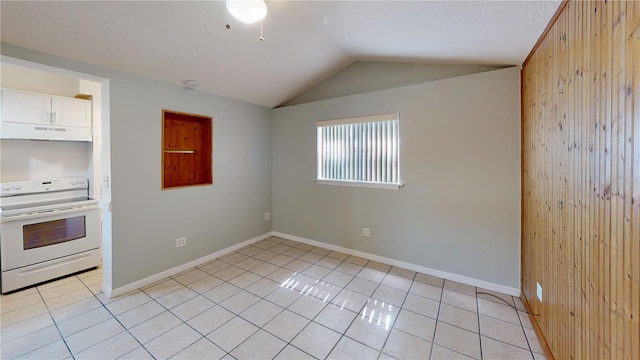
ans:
(359, 184)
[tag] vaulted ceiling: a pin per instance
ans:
(305, 41)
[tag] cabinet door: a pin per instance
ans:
(28, 108)
(71, 112)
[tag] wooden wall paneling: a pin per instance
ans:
(594, 241)
(549, 311)
(607, 279)
(633, 106)
(603, 185)
(581, 215)
(617, 175)
(581, 147)
(570, 181)
(532, 260)
(595, 255)
(625, 185)
(587, 176)
(601, 269)
(632, 241)
(553, 257)
(627, 246)
(625, 177)
(556, 151)
(635, 86)
(559, 200)
(575, 66)
(585, 78)
(569, 227)
(587, 245)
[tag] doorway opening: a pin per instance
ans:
(27, 159)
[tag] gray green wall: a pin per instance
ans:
(365, 76)
(146, 220)
(459, 210)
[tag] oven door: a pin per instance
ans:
(31, 238)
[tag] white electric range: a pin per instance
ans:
(49, 228)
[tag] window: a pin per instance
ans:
(186, 149)
(363, 151)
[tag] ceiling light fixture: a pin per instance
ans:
(247, 11)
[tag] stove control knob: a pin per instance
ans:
(6, 187)
(17, 186)
(73, 182)
(80, 181)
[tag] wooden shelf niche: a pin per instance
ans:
(186, 149)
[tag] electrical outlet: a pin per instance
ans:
(366, 232)
(180, 242)
(539, 291)
(267, 216)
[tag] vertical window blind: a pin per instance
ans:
(363, 150)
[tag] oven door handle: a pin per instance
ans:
(47, 213)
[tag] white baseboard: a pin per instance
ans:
(413, 267)
(178, 269)
(106, 290)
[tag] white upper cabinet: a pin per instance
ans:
(27, 115)
(20, 107)
(31, 108)
(70, 112)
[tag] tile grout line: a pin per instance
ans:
(523, 329)
(453, 325)
(288, 343)
(380, 353)
(344, 334)
(435, 330)
(55, 323)
(479, 325)
(115, 318)
(508, 322)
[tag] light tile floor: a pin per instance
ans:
(274, 299)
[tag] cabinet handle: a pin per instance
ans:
(53, 117)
